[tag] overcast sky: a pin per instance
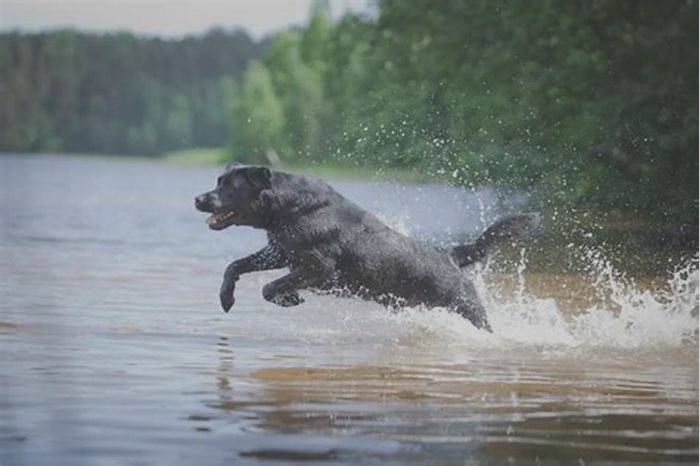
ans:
(163, 17)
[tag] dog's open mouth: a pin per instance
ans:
(220, 220)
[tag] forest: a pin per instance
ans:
(592, 105)
(118, 94)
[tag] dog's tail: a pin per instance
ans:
(505, 229)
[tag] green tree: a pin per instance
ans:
(592, 103)
(300, 89)
(258, 117)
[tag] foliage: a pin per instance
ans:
(116, 93)
(589, 103)
(257, 116)
(198, 156)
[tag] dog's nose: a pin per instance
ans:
(199, 201)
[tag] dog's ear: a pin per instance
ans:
(260, 177)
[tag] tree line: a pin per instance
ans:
(118, 93)
(587, 103)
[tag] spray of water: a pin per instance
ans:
(622, 315)
(621, 312)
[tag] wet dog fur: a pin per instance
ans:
(328, 243)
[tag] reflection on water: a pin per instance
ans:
(498, 410)
(115, 350)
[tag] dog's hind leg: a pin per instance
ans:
(267, 258)
(283, 291)
(471, 309)
(475, 314)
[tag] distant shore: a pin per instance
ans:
(332, 169)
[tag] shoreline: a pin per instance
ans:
(217, 157)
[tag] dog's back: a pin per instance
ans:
(330, 243)
(369, 258)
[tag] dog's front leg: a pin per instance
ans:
(267, 258)
(283, 291)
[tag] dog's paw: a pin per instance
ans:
(228, 286)
(227, 301)
(287, 299)
(226, 294)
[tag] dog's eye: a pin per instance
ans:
(225, 181)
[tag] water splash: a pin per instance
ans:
(622, 313)
(618, 311)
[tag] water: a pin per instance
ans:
(115, 351)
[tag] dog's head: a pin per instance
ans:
(236, 200)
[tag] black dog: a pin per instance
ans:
(330, 244)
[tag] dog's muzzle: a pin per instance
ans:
(208, 202)
(198, 203)
(219, 218)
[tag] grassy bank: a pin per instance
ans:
(197, 156)
(332, 169)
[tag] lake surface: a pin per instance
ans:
(115, 351)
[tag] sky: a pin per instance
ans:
(168, 18)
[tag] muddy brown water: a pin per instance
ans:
(114, 349)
